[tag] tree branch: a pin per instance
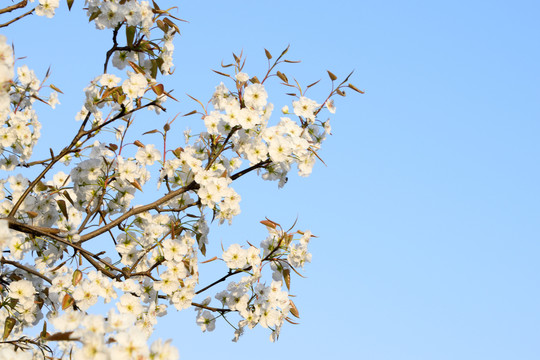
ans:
(17, 18)
(139, 209)
(25, 268)
(14, 7)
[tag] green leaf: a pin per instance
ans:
(130, 35)
(77, 277)
(8, 326)
(63, 208)
(69, 4)
(43, 333)
(94, 15)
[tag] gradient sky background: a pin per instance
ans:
(427, 213)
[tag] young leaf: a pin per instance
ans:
(294, 310)
(190, 113)
(158, 89)
(282, 76)
(312, 84)
(332, 76)
(151, 132)
(268, 55)
(130, 35)
(210, 260)
(136, 184)
(94, 15)
(67, 301)
(8, 326)
(43, 333)
(269, 223)
(222, 74)
(356, 89)
(55, 88)
(77, 277)
(287, 277)
(62, 206)
(171, 24)
(137, 68)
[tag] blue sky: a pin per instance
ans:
(427, 211)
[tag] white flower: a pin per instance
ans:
(9, 353)
(129, 304)
(305, 107)
(174, 250)
(47, 7)
(163, 350)
(235, 257)
(109, 80)
(130, 345)
(206, 321)
(5, 235)
(53, 100)
(26, 76)
(68, 321)
(134, 86)
(242, 77)
(21, 289)
(255, 96)
(330, 106)
(148, 155)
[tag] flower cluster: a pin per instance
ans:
(51, 224)
(255, 302)
(19, 125)
(246, 114)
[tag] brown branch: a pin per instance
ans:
(137, 210)
(111, 50)
(231, 273)
(69, 148)
(51, 233)
(17, 18)
(222, 311)
(222, 148)
(25, 268)
(14, 7)
(225, 277)
(54, 160)
(98, 266)
(251, 168)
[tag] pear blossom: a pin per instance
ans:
(159, 246)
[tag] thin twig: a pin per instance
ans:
(17, 18)
(14, 7)
(25, 268)
(140, 209)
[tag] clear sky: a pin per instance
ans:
(428, 209)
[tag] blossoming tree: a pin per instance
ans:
(54, 207)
